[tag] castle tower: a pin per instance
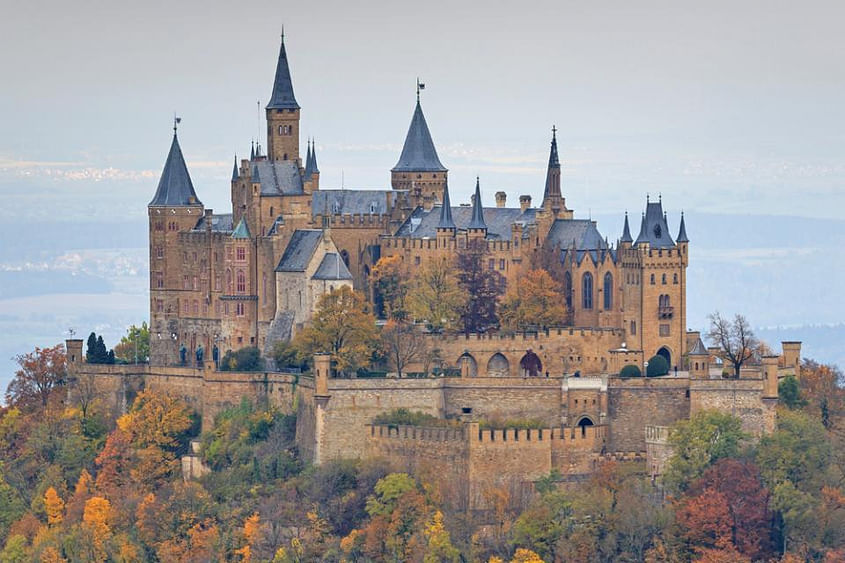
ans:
(699, 361)
(283, 114)
(174, 209)
(553, 202)
(477, 228)
(419, 169)
(311, 176)
(446, 228)
(626, 239)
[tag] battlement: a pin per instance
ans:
(472, 432)
(529, 336)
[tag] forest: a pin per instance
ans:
(81, 483)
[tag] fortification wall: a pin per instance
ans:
(636, 403)
(741, 397)
(503, 398)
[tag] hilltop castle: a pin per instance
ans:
(253, 276)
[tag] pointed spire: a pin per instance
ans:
(418, 153)
(242, 230)
(642, 235)
(314, 168)
(551, 193)
(626, 231)
(308, 164)
(282, 96)
(175, 186)
(235, 169)
(252, 150)
(682, 232)
(553, 158)
(446, 221)
(477, 221)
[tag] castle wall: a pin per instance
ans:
(636, 403)
(740, 397)
(503, 398)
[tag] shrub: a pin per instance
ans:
(630, 371)
(657, 366)
(404, 417)
(245, 359)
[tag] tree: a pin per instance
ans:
(699, 442)
(435, 295)
(403, 344)
(821, 386)
(440, 548)
(534, 301)
(245, 359)
(483, 285)
(342, 327)
(391, 284)
(135, 346)
(657, 366)
(40, 373)
(789, 393)
(54, 506)
(97, 521)
(735, 339)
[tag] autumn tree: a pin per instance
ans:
(821, 386)
(734, 338)
(96, 521)
(402, 344)
(483, 286)
(699, 442)
(534, 301)
(435, 296)
(134, 347)
(342, 327)
(40, 373)
(54, 506)
(391, 284)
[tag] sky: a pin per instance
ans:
(726, 107)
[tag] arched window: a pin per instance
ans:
(675, 279)
(663, 281)
(652, 279)
(567, 289)
(587, 290)
(608, 291)
(241, 282)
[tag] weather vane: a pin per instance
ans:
(420, 86)
(176, 121)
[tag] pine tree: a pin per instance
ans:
(91, 352)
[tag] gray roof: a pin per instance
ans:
(280, 177)
(477, 221)
(242, 230)
(282, 96)
(552, 188)
(299, 251)
(423, 223)
(418, 153)
(332, 268)
(349, 202)
(654, 229)
(235, 172)
(626, 231)
(682, 231)
(446, 221)
(219, 223)
(583, 233)
(175, 186)
(698, 349)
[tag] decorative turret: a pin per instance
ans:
(682, 231)
(477, 224)
(626, 232)
(308, 160)
(654, 229)
(552, 199)
(699, 361)
(283, 114)
(446, 222)
(175, 187)
(235, 174)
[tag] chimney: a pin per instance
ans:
(524, 202)
(501, 199)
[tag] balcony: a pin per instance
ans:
(665, 312)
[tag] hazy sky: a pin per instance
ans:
(721, 106)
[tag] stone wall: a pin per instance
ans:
(636, 403)
(503, 398)
(740, 397)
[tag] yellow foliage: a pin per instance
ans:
(128, 553)
(51, 555)
(96, 518)
(83, 484)
(245, 552)
(54, 506)
(252, 527)
(526, 556)
(534, 301)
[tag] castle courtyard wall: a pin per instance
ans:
(635, 403)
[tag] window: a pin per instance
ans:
(159, 280)
(241, 282)
(501, 263)
(159, 305)
(241, 253)
(194, 283)
(196, 307)
(185, 306)
(239, 309)
(664, 330)
(633, 328)
(271, 211)
(229, 281)
(159, 252)
(567, 289)
(652, 279)
(491, 264)
(416, 260)
(608, 291)
(675, 279)
(587, 290)
(217, 283)
(186, 282)
(663, 280)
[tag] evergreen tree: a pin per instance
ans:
(91, 352)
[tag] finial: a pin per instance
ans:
(646, 197)
(660, 197)
(420, 86)
(283, 33)
(554, 133)
(176, 122)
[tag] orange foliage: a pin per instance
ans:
(706, 520)
(54, 506)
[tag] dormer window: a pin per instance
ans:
(658, 232)
(373, 207)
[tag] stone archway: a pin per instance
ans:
(498, 366)
(666, 354)
(583, 423)
(530, 365)
(468, 365)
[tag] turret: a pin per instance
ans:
(477, 228)
(446, 228)
(553, 202)
(699, 361)
(626, 239)
(283, 114)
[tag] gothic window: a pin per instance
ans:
(633, 328)
(241, 253)
(185, 306)
(652, 279)
(491, 264)
(608, 291)
(587, 290)
(663, 279)
(186, 282)
(241, 282)
(675, 279)
(239, 309)
(567, 289)
(501, 263)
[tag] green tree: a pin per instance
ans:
(630, 371)
(698, 443)
(245, 359)
(789, 393)
(797, 451)
(657, 366)
(390, 280)
(435, 296)
(483, 285)
(135, 345)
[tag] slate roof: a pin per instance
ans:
(497, 219)
(626, 231)
(477, 221)
(698, 349)
(242, 230)
(279, 177)
(175, 187)
(682, 231)
(582, 232)
(654, 229)
(219, 223)
(235, 172)
(299, 251)
(352, 202)
(332, 268)
(282, 96)
(446, 221)
(418, 153)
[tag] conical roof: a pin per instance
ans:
(418, 154)
(654, 229)
(175, 186)
(626, 231)
(682, 232)
(282, 96)
(446, 221)
(314, 168)
(698, 349)
(308, 161)
(552, 189)
(477, 221)
(235, 169)
(242, 230)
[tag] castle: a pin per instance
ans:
(252, 277)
